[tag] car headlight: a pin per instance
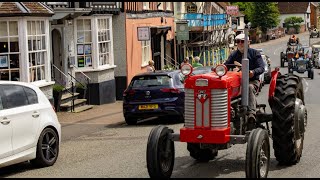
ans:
(186, 69)
(221, 70)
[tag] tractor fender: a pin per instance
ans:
(273, 83)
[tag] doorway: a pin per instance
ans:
(57, 57)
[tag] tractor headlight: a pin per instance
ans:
(221, 70)
(186, 69)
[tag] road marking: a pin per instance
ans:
(275, 51)
(307, 85)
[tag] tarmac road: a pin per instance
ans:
(97, 143)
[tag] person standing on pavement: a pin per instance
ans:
(150, 67)
(256, 68)
(197, 62)
(185, 61)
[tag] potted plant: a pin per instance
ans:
(81, 89)
(57, 93)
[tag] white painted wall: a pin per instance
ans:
(241, 21)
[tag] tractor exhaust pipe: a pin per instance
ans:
(245, 72)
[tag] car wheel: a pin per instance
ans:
(47, 148)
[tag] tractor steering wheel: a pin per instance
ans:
(232, 66)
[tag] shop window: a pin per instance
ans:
(104, 41)
(37, 49)
(84, 43)
(9, 51)
(145, 52)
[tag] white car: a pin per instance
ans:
(29, 127)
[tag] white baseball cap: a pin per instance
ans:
(241, 37)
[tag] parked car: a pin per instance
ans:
(314, 33)
(29, 127)
(159, 93)
(316, 55)
(267, 73)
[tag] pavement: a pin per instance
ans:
(112, 113)
(100, 114)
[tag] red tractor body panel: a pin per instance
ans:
(210, 136)
(273, 82)
(208, 107)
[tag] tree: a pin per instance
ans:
(264, 15)
(245, 8)
(293, 22)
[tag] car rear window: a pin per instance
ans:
(151, 81)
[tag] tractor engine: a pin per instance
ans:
(208, 110)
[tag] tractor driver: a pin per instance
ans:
(256, 68)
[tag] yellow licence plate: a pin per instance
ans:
(148, 106)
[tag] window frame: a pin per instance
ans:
(84, 43)
(145, 59)
(9, 53)
(94, 47)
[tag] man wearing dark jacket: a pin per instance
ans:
(256, 68)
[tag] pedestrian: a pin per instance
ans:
(150, 67)
(256, 68)
(185, 61)
(197, 62)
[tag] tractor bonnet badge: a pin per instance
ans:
(202, 94)
(147, 93)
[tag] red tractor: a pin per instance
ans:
(216, 118)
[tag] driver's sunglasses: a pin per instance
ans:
(238, 41)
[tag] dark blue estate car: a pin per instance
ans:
(159, 93)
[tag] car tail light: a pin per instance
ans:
(172, 90)
(130, 92)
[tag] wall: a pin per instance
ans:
(134, 56)
(119, 44)
(313, 16)
(241, 25)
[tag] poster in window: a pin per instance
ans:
(88, 60)
(3, 61)
(87, 49)
(80, 49)
(80, 62)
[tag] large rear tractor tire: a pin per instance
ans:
(201, 155)
(289, 119)
(258, 154)
(160, 153)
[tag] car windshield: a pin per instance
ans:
(151, 81)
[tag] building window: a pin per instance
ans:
(168, 6)
(9, 51)
(104, 41)
(145, 52)
(146, 5)
(160, 5)
(84, 43)
(37, 49)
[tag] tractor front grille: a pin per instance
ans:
(189, 108)
(219, 108)
(198, 114)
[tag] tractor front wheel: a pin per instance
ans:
(160, 153)
(258, 154)
(289, 117)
